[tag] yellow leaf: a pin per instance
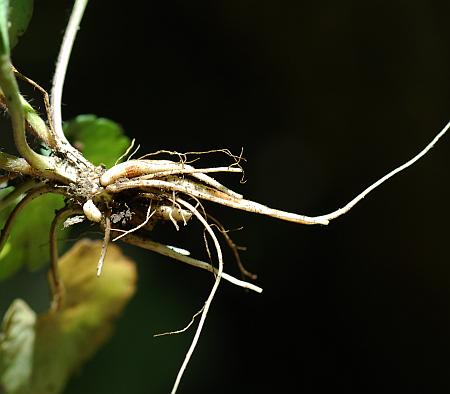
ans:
(67, 338)
(16, 348)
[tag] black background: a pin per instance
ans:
(324, 97)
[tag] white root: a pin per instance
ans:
(234, 248)
(183, 329)
(183, 256)
(204, 193)
(167, 212)
(162, 168)
(189, 171)
(134, 152)
(92, 212)
(210, 297)
(125, 154)
(180, 250)
(136, 168)
(200, 174)
(147, 218)
(104, 245)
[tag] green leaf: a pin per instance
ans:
(101, 140)
(20, 13)
(17, 348)
(15, 15)
(4, 36)
(29, 238)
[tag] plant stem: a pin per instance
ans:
(9, 86)
(17, 193)
(47, 135)
(61, 67)
(56, 285)
(210, 297)
(16, 164)
(34, 122)
(37, 125)
(6, 230)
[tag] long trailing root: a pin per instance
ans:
(339, 212)
(211, 294)
(143, 177)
